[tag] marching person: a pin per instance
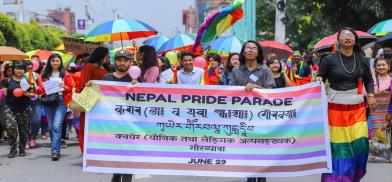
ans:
(56, 109)
(347, 71)
(122, 64)
(17, 109)
(252, 73)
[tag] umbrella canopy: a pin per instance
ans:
(131, 49)
(43, 54)
(11, 53)
(156, 41)
(329, 41)
(179, 42)
(226, 44)
(281, 50)
(386, 41)
(120, 29)
(381, 28)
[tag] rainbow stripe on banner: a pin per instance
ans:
(208, 131)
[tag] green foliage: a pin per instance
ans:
(78, 36)
(312, 20)
(27, 37)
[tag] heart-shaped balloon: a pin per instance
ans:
(134, 72)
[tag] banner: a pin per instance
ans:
(208, 131)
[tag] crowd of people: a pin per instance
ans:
(358, 93)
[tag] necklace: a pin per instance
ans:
(344, 67)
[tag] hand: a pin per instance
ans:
(62, 85)
(284, 69)
(319, 78)
(134, 81)
(29, 94)
(89, 83)
(251, 86)
(372, 103)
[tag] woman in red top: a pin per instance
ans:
(97, 66)
(56, 110)
(213, 74)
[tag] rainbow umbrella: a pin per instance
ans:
(180, 42)
(120, 29)
(156, 41)
(43, 54)
(381, 28)
(131, 49)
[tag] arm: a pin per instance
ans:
(323, 69)
(367, 77)
(41, 89)
(269, 81)
(152, 75)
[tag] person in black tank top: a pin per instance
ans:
(279, 73)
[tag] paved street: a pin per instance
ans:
(37, 167)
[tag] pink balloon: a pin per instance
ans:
(18, 92)
(199, 62)
(1, 94)
(134, 72)
(35, 65)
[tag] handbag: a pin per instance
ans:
(49, 100)
(74, 106)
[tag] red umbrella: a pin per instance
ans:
(329, 41)
(280, 49)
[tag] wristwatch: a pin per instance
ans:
(370, 95)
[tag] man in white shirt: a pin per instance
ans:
(189, 74)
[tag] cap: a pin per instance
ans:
(123, 53)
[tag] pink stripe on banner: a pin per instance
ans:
(107, 140)
(207, 155)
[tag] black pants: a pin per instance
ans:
(122, 178)
(257, 179)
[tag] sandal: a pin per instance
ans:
(372, 158)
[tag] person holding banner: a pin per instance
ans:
(95, 68)
(347, 71)
(122, 63)
(252, 73)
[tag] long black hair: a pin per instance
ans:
(149, 58)
(230, 67)
(166, 63)
(388, 61)
(357, 47)
(98, 55)
(260, 56)
(272, 60)
(49, 70)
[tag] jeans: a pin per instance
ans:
(55, 114)
(35, 118)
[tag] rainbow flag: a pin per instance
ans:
(218, 22)
(208, 131)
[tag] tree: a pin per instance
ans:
(311, 20)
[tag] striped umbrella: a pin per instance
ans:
(43, 54)
(381, 28)
(226, 44)
(179, 42)
(156, 41)
(120, 29)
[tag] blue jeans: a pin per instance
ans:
(56, 114)
(35, 118)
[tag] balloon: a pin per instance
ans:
(134, 72)
(35, 65)
(172, 56)
(199, 62)
(1, 94)
(18, 92)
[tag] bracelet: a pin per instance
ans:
(370, 95)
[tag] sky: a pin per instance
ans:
(164, 15)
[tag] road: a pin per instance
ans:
(37, 167)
